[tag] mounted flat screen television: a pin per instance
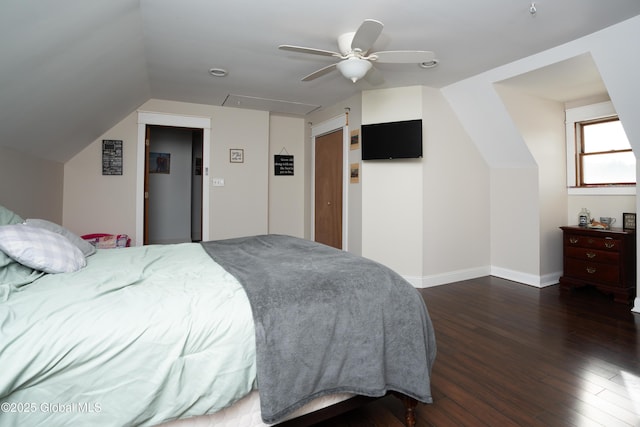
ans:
(392, 140)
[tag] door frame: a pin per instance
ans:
(162, 119)
(332, 125)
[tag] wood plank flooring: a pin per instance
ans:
(515, 355)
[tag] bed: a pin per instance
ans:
(185, 334)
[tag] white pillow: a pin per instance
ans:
(40, 249)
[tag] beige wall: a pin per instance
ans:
(239, 208)
(541, 125)
(455, 197)
(29, 186)
(94, 203)
(286, 192)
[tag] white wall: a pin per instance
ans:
(392, 190)
(455, 197)
(515, 224)
(541, 125)
(600, 205)
(484, 116)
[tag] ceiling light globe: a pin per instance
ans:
(354, 68)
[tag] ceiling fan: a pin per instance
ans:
(356, 61)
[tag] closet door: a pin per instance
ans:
(328, 189)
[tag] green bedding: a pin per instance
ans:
(139, 336)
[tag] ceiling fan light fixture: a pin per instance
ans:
(354, 68)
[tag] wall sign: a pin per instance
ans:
(283, 164)
(111, 157)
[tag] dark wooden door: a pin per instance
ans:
(147, 143)
(328, 189)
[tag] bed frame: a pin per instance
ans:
(348, 405)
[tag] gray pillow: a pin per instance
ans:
(87, 248)
(8, 217)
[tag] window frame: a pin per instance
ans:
(574, 117)
(581, 153)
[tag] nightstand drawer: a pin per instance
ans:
(603, 243)
(593, 271)
(588, 254)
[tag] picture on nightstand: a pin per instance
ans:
(628, 221)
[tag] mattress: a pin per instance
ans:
(246, 412)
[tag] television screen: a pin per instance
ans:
(392, 140)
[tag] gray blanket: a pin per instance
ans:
(328, 321)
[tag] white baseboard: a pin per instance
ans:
(472, 273)
(526, 278)
(444, 278)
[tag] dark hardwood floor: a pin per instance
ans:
(515, 355)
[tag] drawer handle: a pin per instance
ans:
(573, 239)
(609, 243)
(591, 270)
(591, 255)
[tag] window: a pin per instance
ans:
(604, 155)
(599, 156)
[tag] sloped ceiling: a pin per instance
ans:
(71, 69)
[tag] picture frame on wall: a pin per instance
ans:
(628, 221)
(160, 163)
(236, 155)
(355, 140)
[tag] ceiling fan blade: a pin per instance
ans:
(402, 56)
(320, 72)
(310, 50)
(374, 77)
(366, 35)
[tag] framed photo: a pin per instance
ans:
(354, 173)
(355, 139)
(160, 163)
(236, 155)
(628, 221)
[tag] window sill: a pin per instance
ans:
(602, 191)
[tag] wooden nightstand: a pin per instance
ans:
(605, 259)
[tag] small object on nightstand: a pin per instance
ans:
(584, 217)
(628, 221)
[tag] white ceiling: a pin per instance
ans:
(71, 69)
